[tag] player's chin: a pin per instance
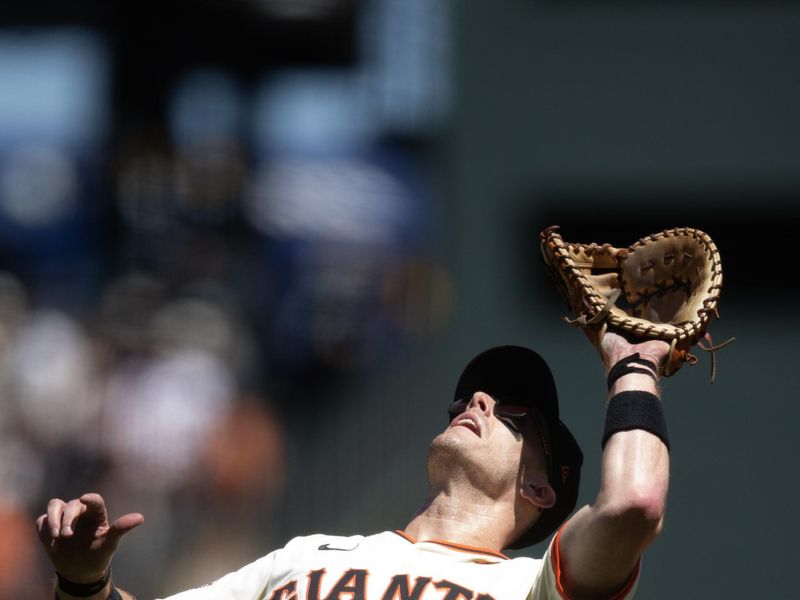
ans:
(456, 435)
(454, 443)
(446, 452)
(449, 442)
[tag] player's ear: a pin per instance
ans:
(536, 490)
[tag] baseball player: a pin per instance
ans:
(503, 474)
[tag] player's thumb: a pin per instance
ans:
(123, 525)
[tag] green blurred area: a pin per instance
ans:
(687, 114)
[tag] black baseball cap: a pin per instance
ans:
(519, 372)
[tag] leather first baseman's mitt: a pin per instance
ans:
(664, 286)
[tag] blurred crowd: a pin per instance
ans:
(172, 293)
(145, 403)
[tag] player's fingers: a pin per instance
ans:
(43, 529)
(55, 510)
(73, 510)
(95, 506)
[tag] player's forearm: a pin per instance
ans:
(635, 471)
(634, 484)
(602, 543)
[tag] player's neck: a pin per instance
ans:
(446, 517)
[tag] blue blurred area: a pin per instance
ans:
(196, 239)
(54, 125)
(56, 87)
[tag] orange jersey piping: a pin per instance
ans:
(453, 545)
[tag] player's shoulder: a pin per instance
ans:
(325, 540)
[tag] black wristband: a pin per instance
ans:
(114, 595)
(83, 590)
(622, 367)
(635, 410)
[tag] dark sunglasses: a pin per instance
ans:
(512, 415)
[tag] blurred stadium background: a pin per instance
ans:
(246, 247)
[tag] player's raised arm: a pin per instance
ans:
(601, 545)
(80, 543)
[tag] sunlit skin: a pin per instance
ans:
(487, 482)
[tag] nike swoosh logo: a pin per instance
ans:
(329, 547)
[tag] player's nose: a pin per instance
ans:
(481, 401)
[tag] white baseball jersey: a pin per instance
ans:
(390, 566)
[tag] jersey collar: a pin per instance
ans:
(454, 546)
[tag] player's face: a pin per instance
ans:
(515, 414)
(490, 439)
(511, 413)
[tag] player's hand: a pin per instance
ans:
(78, 538)
(614, 347)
